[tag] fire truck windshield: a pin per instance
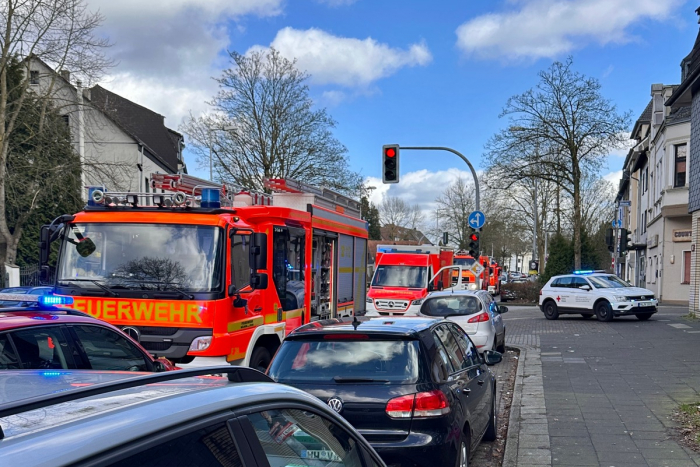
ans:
(142, 256)
(414, 277)
(463, 261)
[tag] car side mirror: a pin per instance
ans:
(585, 287)
(440, 285)
(491, 357)
(431, 287)
(502, 309)
(159, 366)
(258, 251)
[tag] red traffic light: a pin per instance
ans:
(390, 152)
(474, 237)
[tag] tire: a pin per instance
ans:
(502, 348)
(463, 451)
(643, 317)
(260, 359)
(492, 430)
(550, 310)
(586, 316)
(604, 311)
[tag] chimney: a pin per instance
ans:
(65, 74)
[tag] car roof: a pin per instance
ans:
(20, 317)
(585, 274)
(396, 325)
(101, 422)
(448, 293)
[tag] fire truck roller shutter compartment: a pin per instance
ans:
(346, 258)
(360, 282)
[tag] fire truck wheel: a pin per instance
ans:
(260, 359)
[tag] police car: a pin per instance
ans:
(595, 293)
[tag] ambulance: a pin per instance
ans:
(405, 274)
(204, 274)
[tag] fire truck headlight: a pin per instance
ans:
(472, 286)
(200, 343)
(368, 300)
(417, 302)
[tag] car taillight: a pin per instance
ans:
(480, 318)
(423, 404)
(400, 407)
(540, 291)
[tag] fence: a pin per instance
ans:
(29, 276)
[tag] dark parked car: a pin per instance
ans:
(415, 388)
(97, 418)
(41, 290)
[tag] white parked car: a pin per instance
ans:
(591, 293)
(475, 311)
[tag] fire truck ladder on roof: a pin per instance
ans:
(323, 197)
(193, 186)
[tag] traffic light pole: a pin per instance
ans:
(471, 167)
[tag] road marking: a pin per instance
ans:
(693, 332)
(680, 326)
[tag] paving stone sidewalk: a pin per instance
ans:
(601, 394)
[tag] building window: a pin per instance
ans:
(33, 77)
(681, 152)
(66, 120)
(686, 267)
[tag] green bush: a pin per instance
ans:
(524, 292)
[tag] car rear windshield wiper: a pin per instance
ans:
(97, 283)
(344, 379)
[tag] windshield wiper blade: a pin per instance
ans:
(344, 379)
(167, 287)
(97, 283)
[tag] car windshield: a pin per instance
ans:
(346, 361)
(143, 256)
(608, 282)
(451, 306)
(401, 276)
(464, 261)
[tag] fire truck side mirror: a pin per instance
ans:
(258, 280)
(44, 245)
(258, 252)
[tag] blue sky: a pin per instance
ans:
(400, 71)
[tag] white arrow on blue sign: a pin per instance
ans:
(476, 219)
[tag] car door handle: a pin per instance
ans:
(480, 382)
(257, 308)
(464, 391)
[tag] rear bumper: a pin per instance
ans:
(419, 450)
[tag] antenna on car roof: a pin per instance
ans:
(355, 322)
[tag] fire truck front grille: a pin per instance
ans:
(156, 346)
(157, 331)
(391, 304)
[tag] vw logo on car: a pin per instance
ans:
(335, 403)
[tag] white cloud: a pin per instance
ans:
(332, 98)
(167, 51)
(345, 61)
(614, 177)
(550, 28)
(625, 148)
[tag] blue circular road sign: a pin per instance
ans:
(476, 219)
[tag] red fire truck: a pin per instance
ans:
(403, 276)
(200, 275)
(462, 258)
(495, 277)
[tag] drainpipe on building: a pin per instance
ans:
(81, 135)
(141, 177)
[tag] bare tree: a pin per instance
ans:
(397, 216)
(455, 205)
(558, 131)
(60, 33)
(263, 125)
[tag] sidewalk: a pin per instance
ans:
(601, 394)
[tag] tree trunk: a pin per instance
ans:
(577, 218)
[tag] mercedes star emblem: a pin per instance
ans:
(133, 333)
(336, 404)
(391, 304)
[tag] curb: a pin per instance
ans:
(510, 457)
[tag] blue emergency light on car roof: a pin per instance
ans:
(211, 198)
(583, 272)
(54, 300)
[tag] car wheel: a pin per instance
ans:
(586, 316)
(260, 359)
(550, 310)
(604, 311)
(491, 431)
(502, 348)
(643, 317)
(463, 453)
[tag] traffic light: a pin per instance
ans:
(624, 239)
(390, 163)
(445, 238)
(610, 240)
(474, 244)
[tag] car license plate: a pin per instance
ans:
(641, 304)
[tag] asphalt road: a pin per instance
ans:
(609, 388)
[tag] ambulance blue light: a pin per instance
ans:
(211, 198)
(54, 300)
(583, 272)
